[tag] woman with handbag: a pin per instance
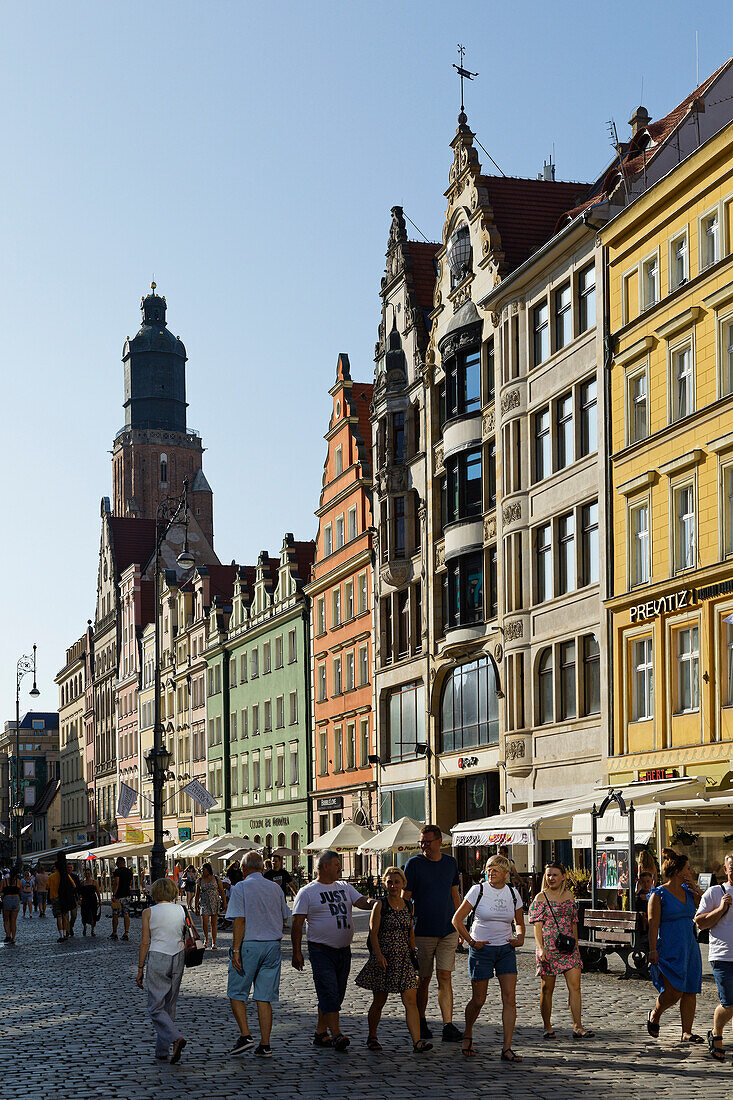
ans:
(209, 900)
(162, 944)
(391, 967)
(554, 914)
(91, 897)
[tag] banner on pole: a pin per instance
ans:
(126, 800)
(197, 791)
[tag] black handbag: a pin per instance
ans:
(192, 945)
(565, 944)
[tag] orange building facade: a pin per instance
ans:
(344, 782)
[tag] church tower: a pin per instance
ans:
(155, 450)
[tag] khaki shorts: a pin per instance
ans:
(440, 950)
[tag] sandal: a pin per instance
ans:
(692, 1039)
(716, 1052)
(508, 1055)
(322, 1039)
(373, 1043)
(470, 1050)
(422, 1046)
(341, 1043)
(549, 1035)
(583, 1034)
(652, 1028)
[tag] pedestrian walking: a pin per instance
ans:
(41, 890)
(714, 913)
(27, 886)
(554, 914)
(674, 954)
(497, 929)
(281, 876)
(234, 872)
(390, 968)
(257, 908)
(91, 897)
(188, 884)
(62, 890)
(121, 890)
(11, 903)
(162, 948)
(325, 906)
(433, 889)
(209, 899)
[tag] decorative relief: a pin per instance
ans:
(396, 573)
(438, 452)
(509, 401)
(397, 479)
(513, 630)
(461, 297)
(516, 750)
(498, 652)
(490, 528)
(489, 422)
(511, 513)
(440, 555)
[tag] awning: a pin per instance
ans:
(345, 837)
(554, 820)
(613, 828)
(401, 836)
(71, 849)
(128, 850)
(182, 847)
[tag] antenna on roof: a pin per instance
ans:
(613, 136)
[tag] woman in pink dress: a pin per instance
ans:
(554, 914)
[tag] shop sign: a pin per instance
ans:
(665, 605)
(483, 837)
(184, 833)
(467, 761)
(267, 822)
(652, 774)
(335, 802)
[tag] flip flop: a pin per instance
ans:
(470, 1050)
(653, 1029)
(508, 1055)
(583, 1034)
(373, 1043)
(692, 1039)
(549, 1035)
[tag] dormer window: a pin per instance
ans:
(458, 254)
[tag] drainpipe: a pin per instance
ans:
(227, 747)
(309, 731)
(608, 350)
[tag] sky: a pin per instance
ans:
(247, 156)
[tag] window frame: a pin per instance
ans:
(540, 332)
(584, 294)
(649, 261)
(562, 315)
(691, 660)
(675, 349)
(682, 235)
(704, 264)
(676, 488)
(640, 371)
(724, 320)
(645, 669)
(633, 506)
(561, 432)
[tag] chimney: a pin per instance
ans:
(639, 120)
(548, 171)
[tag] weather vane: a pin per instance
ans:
(464, 74)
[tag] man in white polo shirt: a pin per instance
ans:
(257, 908)
(714, 912)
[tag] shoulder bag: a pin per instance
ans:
(565, 944)
(191, 943)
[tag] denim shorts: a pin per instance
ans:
(11, 902)
(261, 964)
(491, 959)
(331, 966)
(723, 974)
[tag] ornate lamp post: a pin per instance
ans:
(170, 512)
(25, 664)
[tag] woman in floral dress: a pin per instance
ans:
(554, 911)
(209, 895)
(390, 968)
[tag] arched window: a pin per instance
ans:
(281, 842)
(545, 707)
(469, 709)
(164, 469)
(295, 845)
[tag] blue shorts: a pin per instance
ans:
(261, 964)
(490, 960)
(331, 966)
(723, 974)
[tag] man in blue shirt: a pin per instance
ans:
(260, 915)
(432, 886)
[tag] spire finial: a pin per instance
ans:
(153, 285)
(464, 74)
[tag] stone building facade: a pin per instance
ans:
(71, 682)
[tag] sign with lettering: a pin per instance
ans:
(267, 822)
(664, 605)
(483, 837)
(335, 802)
(467, 761)
(197, 791)
(127, 799)
(184, 833)
(651, 774)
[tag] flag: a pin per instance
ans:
(134, 836)
(126, 800)
(26, 829)
(197, 791)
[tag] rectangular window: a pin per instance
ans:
(279, 651)
(338, 749)
(364, 742)
(542, 445)
(293, 708)
(727, 493)
(684, 519)
(726, 356)
(244, 715)
(406, 720)
(363, 665)
(362, 593)
(589, 417)
(543, 562)
(323, 752)
(235, 777)
(566, 552)
(682, 382)
(292, 647)
(245, 773)
(268, 715)
(591, 675)
(639, 559)
(465, 590)
(493, 592)
(709, 239)
(268, 772)
(398, 527)
(280, 712)
(321, 683)
(266, 658)
(490, 371)
(587, 298)
(352, 523)
(350, 672)
(255, 771)
(650, 282)
(232, 726)
(567, 680)
(336, 607)
(589, 533)
(232, 680)
(339, 461)
(636, 406)
(243, 668)
(643, 670)
(491, 473)
(337, 676)
(327, 540)
(563, 317)
(349, 600)
(688, 665)
(541, 333)
(398, 437)
(321, 615)
(679, 267)
(565, 432)
(351, 745)
(294, 772)
(339, 532)
(255, 719)
(280, 769)
(255, 663)
(631, 295)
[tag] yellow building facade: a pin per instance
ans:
(669, 265)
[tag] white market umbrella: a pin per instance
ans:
(345, 837)
(401, 836)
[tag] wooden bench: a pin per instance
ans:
(613, 930)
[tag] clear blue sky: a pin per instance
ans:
(248, 155)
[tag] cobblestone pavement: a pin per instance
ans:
(72, 1011)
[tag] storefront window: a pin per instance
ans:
(469, 707)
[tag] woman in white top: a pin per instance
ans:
(162, 944)
(496, 909)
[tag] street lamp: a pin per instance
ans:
(26, 664)
(170, 512)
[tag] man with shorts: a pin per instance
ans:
(41, 890)
(432, 886)
(121, 890)
(714, 912)
(326, 905)
(260, 917)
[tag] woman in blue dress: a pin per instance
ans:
(676, 963)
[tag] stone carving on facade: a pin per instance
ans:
(438, 453)
(513, 630)
(490, 528)
(461, 297)
(397, 479)
(440, 555)
(396, 572)
(488, 423)
(516, 750)
(498, 653)
(511, 513)
(509, 401)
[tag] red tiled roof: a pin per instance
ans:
(221, 581)
(147, 602)
(423, 271)
(526, 211)
(305, 553)
(133, 540)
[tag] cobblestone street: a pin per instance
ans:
(72, 1019)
